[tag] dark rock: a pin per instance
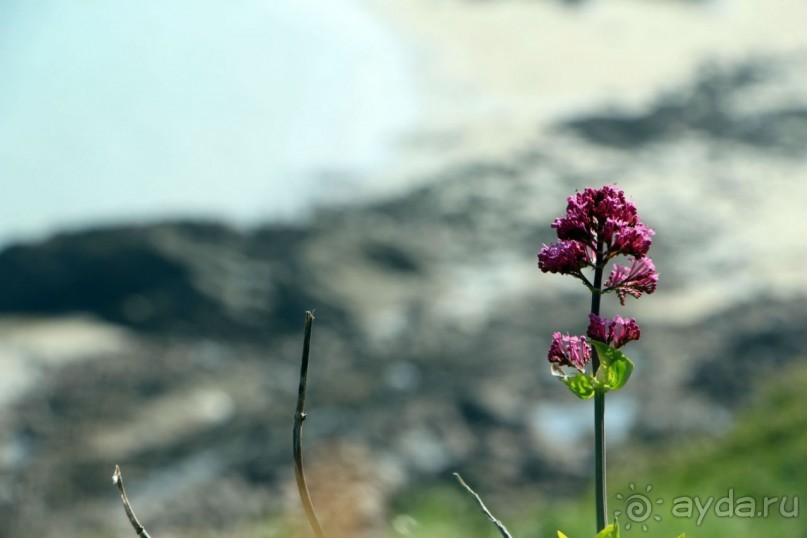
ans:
(757, 339)
(112, 273)
(182, 278)
(707, 108)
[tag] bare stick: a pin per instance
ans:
(117, 479)
(299, 417)
(499, 525)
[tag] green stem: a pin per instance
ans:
(599, 459)
(599, 407)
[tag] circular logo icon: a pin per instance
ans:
(638, 507)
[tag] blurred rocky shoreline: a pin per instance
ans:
(173, 348)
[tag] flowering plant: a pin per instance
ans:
(599, 226)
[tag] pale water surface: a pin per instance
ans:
(125, 110)
(132, 110)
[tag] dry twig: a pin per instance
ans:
(499, 525)
(117, 479)
(299, 417)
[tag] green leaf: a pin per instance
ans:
(615, 367)
(606, 353)
(682, 535)
(616, 374)
(611, 531)
(582, 385)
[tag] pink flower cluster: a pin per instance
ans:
(598, 225)
(565, 257)
(615, 333)
(596, 220)
(641, 277)
(604, 220)
(571, 351)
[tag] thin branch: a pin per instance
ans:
(117, 479)
(499, 525)
(299, 417)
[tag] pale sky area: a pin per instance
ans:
(114, 111)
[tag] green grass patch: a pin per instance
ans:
(747, 484)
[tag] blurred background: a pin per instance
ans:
(182, 180)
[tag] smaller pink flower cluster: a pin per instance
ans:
(615, 333)
(565, 257)
(575, 351)
(571, 351)
(640, 278)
